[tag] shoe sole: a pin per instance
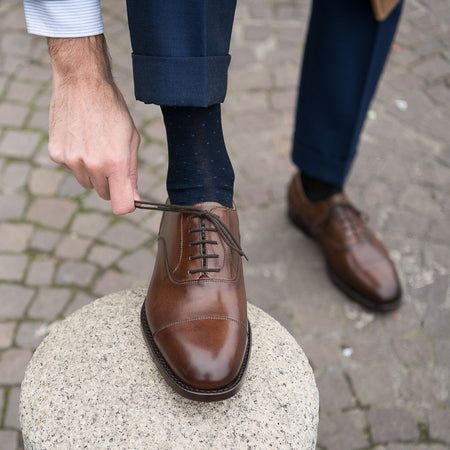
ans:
(340, 284)
(202, 395)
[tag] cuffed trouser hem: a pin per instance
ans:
(320, 166)
(181, 81)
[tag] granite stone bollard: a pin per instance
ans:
(92, 384)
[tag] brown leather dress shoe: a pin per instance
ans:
(357, 261)
(194, 317)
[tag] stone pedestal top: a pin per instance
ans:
(92, 384)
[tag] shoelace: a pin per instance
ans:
(342, 210)
(219, 227)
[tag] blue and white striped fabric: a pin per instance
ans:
(63, 18)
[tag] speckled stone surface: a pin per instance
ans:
(92, 384)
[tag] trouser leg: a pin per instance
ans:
(180, 50)
(344, 56)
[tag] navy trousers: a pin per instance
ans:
(181, 57)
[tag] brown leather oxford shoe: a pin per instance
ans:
(357, 261)
(194, 317)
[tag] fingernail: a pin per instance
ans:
(136, 195)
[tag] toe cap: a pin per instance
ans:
(204, 353)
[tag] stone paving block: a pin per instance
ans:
(45, 181)
(343, 431)
(392, 424)
(286, 75)
(254, 77)
(12, 206)
(322, 352)
(434, 125)
(432, 68)
(257, 32)
(70, 187)
(2, 399)
(442, 352)
(76, 273)
(242, 56)
(39, 120)
(19, 144)
(156, 130)
(334, 392)
(14, 300)
(12, 267)
(111, 281)
(44, 101)
(12, 409)
(14, 237)
(369, 347)
(436, 323)
(420, 200)
(30, 334)
(429, 446)
(41, 157)
(139, 263)
(72, 247)
(49, 302)
(80, 300)
(414, 351)
(3, 80)
(6, 337)
(125, 236)
(439, 93)
(411, 224)
(373, 385)
(244, 101)
(40, 272)
(16, 43)
(103, 255)
(90, 224)
(283, 100)
(12, 365)
(8, 439)
(22, 92)
(93, 201)
(439, 421)
(35, 72)
(440, 230)
(44, 240)
(151, 223)
(51, 212)
(424, 387)
(15, 175)
(12, 115)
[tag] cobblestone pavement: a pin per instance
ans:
(383, 379)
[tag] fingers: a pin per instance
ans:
(133, 164)
(122, 193)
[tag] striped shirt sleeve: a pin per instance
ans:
(63, 18)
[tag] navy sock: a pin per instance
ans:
(199, 167)
(317, 190)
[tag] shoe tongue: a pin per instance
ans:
(209, 206)
(338, 198)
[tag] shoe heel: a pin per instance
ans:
(297, 221)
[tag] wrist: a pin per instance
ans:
(79, 59)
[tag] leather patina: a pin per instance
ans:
(194, 317)
(357, 261)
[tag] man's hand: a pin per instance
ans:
(91, 131)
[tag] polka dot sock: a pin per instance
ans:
(199, 167)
